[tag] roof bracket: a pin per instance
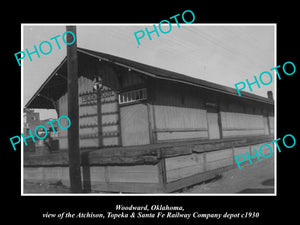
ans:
(51, 100)
(57, 74)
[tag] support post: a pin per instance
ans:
(162, 173)
(73, 114)
(99, 113)
(220, 118)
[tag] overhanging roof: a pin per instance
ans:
(45, 95)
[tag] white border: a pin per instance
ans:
(156, 194)
(22, 103)
(275, 111)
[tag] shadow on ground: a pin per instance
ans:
(268, 182)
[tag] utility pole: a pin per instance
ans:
(73, 131)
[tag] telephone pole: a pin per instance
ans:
(73, 131)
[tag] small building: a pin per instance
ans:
(146, 129)
(31, 121)
(30, 118)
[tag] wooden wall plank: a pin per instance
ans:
(246, 132)
(184, 166)
(172, 117)
(134, 125)
(183, 161)
(111, 141)
(129, 187)
(97, 174)
(218, 159)
(241, 150)
(163, 136)
(213, 125)
(241, 120)
(194, 179)
(137, 174)
(219, 163)
(218, 155)
(175, 110)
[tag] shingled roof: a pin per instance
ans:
(44, 98)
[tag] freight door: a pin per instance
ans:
(213, 124)
(134, 125)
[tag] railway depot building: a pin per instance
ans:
(145, 129)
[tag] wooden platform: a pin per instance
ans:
(164, 167)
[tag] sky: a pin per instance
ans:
(223, 54)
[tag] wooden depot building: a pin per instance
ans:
(146, 129)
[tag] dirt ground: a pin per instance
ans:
(255, 178)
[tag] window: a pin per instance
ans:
(132, 96)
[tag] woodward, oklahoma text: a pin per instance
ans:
(152, 207)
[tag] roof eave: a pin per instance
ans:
(216, 87)
(37, 93)
(244, 94)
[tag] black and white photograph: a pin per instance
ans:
(155, 115)
(146, 113)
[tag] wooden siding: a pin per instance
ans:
(63, 110)
(130, 79)
(49, 174)
(238, 124)
(88, 121)
(177, 135)
(178, 116)
(219, 159)
(180, 167)
(181, 113)
(134, 125)
(109, 135)
(138, 174)
(173, 117)
(129, 169)
(171, 113)
(88, 116)
(213, 125)
(110, 117)
(123, 174)
(184, 166)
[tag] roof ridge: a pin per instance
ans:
(179, 76)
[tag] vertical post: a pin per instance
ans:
(149, 105)
(99, 117)
(73, 131)
(151, 111)
(220, 118)
(268, 123)
(162, 173)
